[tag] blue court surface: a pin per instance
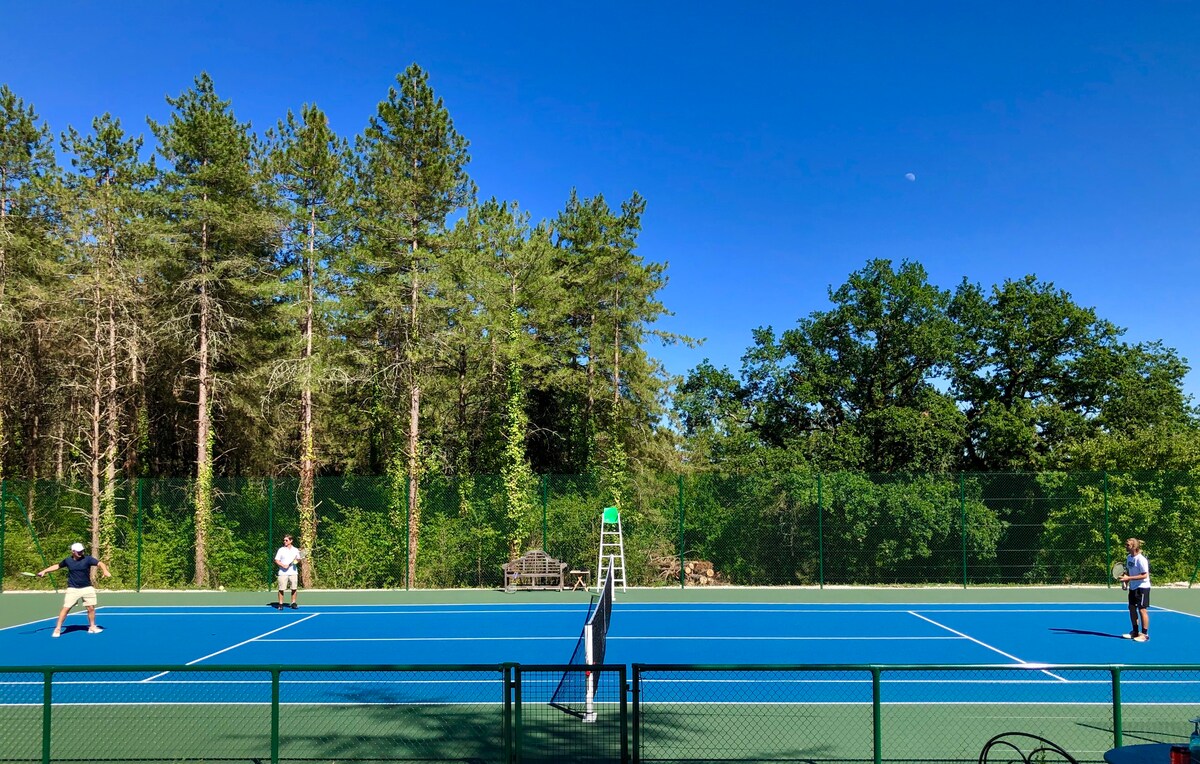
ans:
(654, 633)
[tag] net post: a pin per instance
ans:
(589, 714)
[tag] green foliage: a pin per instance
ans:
(356, 551)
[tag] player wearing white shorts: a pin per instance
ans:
(285, 561)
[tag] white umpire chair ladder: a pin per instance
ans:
(612, 546)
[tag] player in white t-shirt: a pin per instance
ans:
(1137, 576)
(286, 559)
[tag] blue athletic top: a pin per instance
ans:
(79, 572)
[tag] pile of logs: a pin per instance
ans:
(696, 572)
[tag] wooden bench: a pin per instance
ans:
(534, 570)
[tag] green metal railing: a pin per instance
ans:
(471, 713)
(501, 713)
(769, 529)
(848, 712)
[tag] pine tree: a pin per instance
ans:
(221, 233)
(411, 176)
(26, 169)
(307, 166)
(104, 219)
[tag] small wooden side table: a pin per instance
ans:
(582, 578)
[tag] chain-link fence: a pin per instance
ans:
(768, 529)
(480, 714)
(691, 714)
(503, 714)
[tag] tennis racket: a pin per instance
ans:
(1118, 570)
(302, 556)
(30, 575)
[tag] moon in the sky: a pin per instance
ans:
(909, 176)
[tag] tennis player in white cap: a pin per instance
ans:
(79, 586)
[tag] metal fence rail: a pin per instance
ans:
(901, 713)
(779, 528)
(501, 713)
(465, 713)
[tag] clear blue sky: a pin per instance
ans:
(770, 139)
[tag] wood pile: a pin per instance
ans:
(696, 572)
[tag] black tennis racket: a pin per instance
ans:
(1118, 570)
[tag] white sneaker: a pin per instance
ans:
(94, 630)
(56, 633)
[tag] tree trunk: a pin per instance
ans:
(203, 427)
(308, 512)
(414, 428)
(94, 456)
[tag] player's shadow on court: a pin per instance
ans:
(1086, 633)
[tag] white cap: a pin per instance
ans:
(77, 547)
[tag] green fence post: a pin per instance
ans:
(962, 503)
(506, 742)
(275, 715)
(545, 509)
(46, 696)
(270, 530)
(636, 728)
(624, 713)
(1116, 701)
(1107, 530)
(138, 585)
(682, 575)
(876, 714)
(407, 526)
(820, 533)
(3, 504)
(516, 714)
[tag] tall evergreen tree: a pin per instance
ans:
(308, 168)
(26, 168)
(513, 296)
(221, 234)
(105, 220)
(614, 302)
(411, 176)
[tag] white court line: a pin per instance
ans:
(610, 638)
(422, 639)
(317, 610)
(628, 608)
(984, 644)
(231, 647)
(783, 637)
(1172, 610)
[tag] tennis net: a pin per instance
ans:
(576, 691)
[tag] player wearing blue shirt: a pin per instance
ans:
(79, 586)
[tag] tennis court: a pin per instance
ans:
(740, 681)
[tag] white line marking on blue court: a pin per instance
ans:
(239, 644)
(984, 644)
(420, 639)
(783, 637)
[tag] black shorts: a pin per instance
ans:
(1140, 597)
